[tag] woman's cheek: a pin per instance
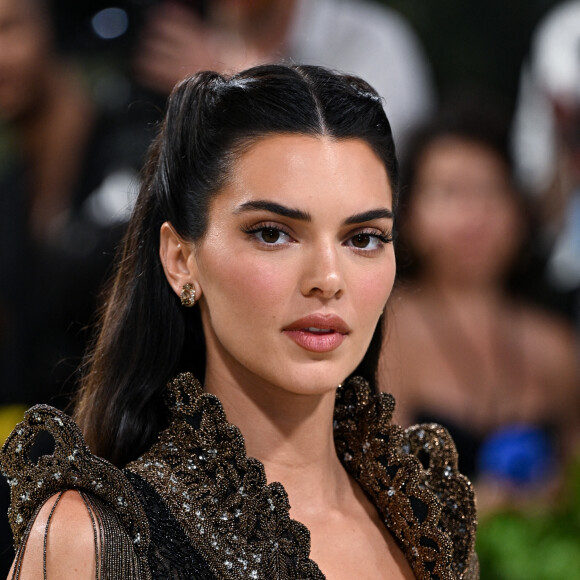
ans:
(258, 281)
(370, 291)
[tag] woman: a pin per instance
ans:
(258, 259)
(501, 375)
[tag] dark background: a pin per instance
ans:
(475, 42)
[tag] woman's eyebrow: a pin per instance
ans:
(297, 214)
(271, 206)
(367, 216)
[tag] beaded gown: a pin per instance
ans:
(196, 506)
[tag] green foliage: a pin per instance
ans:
(534, 545)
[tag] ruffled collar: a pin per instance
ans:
(241, 524)
(412, 478)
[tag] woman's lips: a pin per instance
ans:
(316, 342)
(318, 332)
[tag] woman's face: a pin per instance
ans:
(463, 219)
(297, 264)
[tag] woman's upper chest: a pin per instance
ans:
(356, 545)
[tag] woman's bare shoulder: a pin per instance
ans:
(65, 532)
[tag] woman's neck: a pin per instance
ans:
(291, 434)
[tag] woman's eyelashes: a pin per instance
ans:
(273, 235)
(369, 240)
(269, 234)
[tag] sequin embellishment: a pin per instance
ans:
(199, 466)
(69, 466)
(235, 525)
(412, 478)
(242, 526)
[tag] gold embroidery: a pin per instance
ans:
(72, 466)
(240, 525)
(429, 507)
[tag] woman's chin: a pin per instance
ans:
(313, 381)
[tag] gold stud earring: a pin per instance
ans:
(188, 295)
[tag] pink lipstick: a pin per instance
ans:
(318, 332)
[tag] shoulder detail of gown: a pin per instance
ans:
(232, 524)
(240, 524)
(46, 454)
(411, 475)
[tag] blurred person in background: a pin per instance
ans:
(363, 38)
(462, 350)
(66, 173)
(546, 145)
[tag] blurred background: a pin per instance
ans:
(484, 101)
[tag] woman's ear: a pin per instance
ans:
(178, 259)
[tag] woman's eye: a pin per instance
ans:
(271, 236)
(362, 240)
(365, 241)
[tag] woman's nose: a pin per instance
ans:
(323, 272)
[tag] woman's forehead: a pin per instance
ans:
(314, 172)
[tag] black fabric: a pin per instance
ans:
(468, 444)
(171, 556)
(195, 506)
